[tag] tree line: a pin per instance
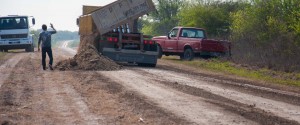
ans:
(264, 33)
(58, 37)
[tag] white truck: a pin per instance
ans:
(15, 33)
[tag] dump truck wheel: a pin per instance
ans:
(146, 65)
(151, 65)
(159, 52)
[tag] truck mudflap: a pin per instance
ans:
(137, 56)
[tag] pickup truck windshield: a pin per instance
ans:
(173, 33)
(192, 33)
(13, 23)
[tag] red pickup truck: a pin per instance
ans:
(190, 41)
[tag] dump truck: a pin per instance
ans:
(15, 32)
(115, 26)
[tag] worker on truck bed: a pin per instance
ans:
(45, 38)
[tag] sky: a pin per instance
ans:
(61, 13)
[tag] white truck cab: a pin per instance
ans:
(15, 33)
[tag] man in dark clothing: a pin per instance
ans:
(45, 38)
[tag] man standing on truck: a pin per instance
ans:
(45, 37)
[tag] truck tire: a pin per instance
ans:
(188, 55)
(151, 65)
(30, 49)
(146, 65)
(160, 53)
(5, 50)
(27, 49)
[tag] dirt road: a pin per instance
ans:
(167, 94)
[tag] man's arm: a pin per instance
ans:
(54, 30)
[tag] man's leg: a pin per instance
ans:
(50, 58)
(44, 50)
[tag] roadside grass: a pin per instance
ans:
(227, 67)
(2, 54)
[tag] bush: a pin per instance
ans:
(212, 16)
(265, 34)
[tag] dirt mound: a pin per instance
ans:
(88, 58)
(86, 40)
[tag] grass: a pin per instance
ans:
(226, 67)
(2, 54)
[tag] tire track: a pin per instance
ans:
(281, 109)
(8, 66)
(280, 93)
(16, 93)
(33, 96)
(65, 102)
(194, 109)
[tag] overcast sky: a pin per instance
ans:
(61, 13)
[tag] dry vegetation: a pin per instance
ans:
(264, 33)
(246, 71)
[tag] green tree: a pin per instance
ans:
(64, 35)
(35, 35)
(267, 34)
(161, 21)
(58, 37)
(264, 33)
(211, 15)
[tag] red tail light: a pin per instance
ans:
(115, 39)
(148, 42)
(112, 39)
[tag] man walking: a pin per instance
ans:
(45, 37)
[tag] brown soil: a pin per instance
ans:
(29, 95)
(88, 58)
(86, 40)
(247, 111)
(165, 95)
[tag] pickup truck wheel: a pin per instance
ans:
(188, 54)
(159, 52)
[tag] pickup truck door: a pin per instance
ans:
(171, 43)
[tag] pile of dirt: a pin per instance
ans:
(86, 40)
(88, 58)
